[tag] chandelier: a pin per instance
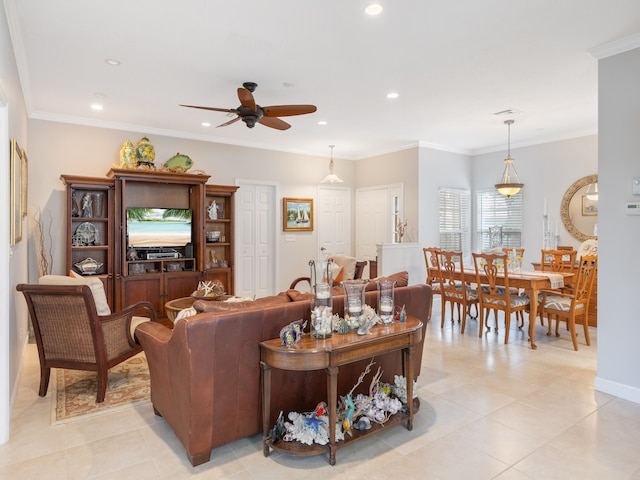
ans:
(332, 177)
(510, 183)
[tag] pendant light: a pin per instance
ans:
(332, 177)
(592, 192)
(510, 182)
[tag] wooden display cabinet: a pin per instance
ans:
(218, 236)
(152, 276)
(98, 232)
(90, 228)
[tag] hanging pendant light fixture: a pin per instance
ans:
(510, 183)
(592, 192)
(332, 177)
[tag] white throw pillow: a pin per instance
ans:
(346, 261)
(95, 284)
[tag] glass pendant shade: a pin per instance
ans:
(592, 192)
(510, 183)
(332, 177)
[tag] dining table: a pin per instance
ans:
(532, 282)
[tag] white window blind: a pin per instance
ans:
(455, 215)
(496, 210)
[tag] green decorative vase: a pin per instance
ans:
(145, 153)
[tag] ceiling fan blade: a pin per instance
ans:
(288, 110)
(274, 122)
(228, 110)
(233, 120)
(246, 98)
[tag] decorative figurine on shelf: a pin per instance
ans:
(87, 202)
(75, 209)
(145, 152)
(401, 228)
(179, 163)
(212, 210)
(127, 155)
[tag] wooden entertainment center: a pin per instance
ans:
(97, 231)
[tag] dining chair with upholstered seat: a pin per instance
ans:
(434, 277)
(492, 272)
(454, 289)
(70, 333)
(570, 306)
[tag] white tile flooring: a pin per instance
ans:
(488, 411)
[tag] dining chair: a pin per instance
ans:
(454, 288)
(492, 272)
(570, 306)
(434, 277)
(556, 260)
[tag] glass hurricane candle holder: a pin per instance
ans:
(322, 311)
(354, 301)
(385, 301)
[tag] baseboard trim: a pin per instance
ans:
(618, 389)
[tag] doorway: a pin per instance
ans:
(255, 254)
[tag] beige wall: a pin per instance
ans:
(60, 148)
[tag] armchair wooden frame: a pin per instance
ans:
(357, 275)
(70, 334)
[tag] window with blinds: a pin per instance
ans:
(495, 210)
(455, 216)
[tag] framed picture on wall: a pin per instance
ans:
(16, 191)
(589, 207)
(297, 214)
(24, 180)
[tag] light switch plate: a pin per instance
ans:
(635, 186)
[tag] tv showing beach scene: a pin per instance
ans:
(158, 227)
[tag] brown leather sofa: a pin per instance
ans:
(205, 373)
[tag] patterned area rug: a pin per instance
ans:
(75, 395)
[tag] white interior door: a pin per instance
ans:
(375, 212)
(255, 240)
(333, 214)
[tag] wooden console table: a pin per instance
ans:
(316, 354)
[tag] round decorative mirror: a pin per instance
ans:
(579, 208)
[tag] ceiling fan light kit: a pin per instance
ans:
(251, 113)
(510, 183)
(332, 177)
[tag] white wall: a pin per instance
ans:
(13, 263)
(618, 258)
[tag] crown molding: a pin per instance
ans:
(617, 46)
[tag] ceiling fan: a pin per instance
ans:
(250, 112)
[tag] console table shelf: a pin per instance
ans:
(329, 354)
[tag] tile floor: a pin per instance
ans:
(489, 411)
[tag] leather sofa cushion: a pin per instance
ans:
(215, 306)
(297, 296)
(401, 279)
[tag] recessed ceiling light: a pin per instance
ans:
(96, 107)
(373, 9)
(393, 95)
(112, 62)
(206, 124)
(322, 122)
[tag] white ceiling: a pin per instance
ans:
(454, 64)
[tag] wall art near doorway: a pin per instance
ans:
(297, 214)
(18, 185)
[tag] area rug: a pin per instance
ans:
(75, 396)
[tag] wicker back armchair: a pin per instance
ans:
(70, 334)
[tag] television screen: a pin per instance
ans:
(158, 227)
